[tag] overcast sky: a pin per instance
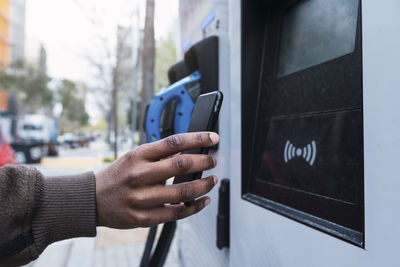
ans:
(65, 32)
(63, 29)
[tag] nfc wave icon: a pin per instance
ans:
(309, 152)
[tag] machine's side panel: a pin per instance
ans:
(260, 237)
(381, 78)
(197, 234)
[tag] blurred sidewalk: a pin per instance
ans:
(111, 248)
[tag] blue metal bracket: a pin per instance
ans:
(184, 108)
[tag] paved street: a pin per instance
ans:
(111, 248)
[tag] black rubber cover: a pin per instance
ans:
(203, 56)
(223, 215)
(177, 72)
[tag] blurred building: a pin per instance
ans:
(130, 40)
(80, 92)
(32, 50)
(35, 53)
(125, 72)
(4, 33)
(12, 31)
(17, 30)
(125, 54)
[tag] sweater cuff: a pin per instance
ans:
(65, 208)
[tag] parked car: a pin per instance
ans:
(7, 155)
(70, 140)
(27, 152)
(84, 140)
(14, 149)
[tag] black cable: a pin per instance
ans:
(164, 243)
(149, 246)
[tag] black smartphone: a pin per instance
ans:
(204, 118)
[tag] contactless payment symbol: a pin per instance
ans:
(308, 153)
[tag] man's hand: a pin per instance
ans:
(131, 192)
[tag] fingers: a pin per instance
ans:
(178, 143)
(172, 212)
(178, 165)
(161, 194)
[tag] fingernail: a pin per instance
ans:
(207, 201)
(215, 161)
(215, 179)
(214, 137)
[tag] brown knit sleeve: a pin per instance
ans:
(45, 210)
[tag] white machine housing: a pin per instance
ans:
(259, 236)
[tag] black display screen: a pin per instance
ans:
(316, 31)
(303, 154)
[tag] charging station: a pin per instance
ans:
(309, 133)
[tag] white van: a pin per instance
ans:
(41, 129)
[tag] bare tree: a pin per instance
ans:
(148, 63)
(121, 76)
(112, 69)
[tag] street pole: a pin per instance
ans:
(134, 105)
